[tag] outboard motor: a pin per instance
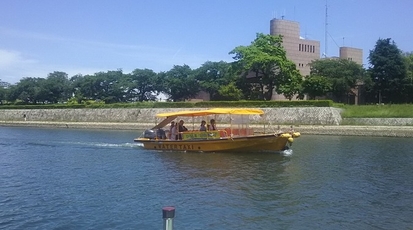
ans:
(149, 133)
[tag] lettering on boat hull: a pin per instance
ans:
(176, 147)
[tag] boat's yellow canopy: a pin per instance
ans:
(171, 116)
(212, 112)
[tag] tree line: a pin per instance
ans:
(257, 72)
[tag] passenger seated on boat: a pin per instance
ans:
(203, 127)
(181, 128)
(212, 125)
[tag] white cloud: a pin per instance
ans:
(14, 66)
(10, 59)
(78, 56)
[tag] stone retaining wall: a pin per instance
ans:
(295, 116)
(282, 116)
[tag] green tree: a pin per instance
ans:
(316, 86)
(30, 91)
(111, 86)
(229, 93)
(101, 86)
(388, 71)
(3, 91)
(290, 82)
(4, 84)
(408, 58)
(180, 83)
(249, 89)
(76, 82)
(58, 87)
(342, 73)
(42, 92)
(86, 87)
(141, 85)
(265, 63)
(3, 94)
(212, 75)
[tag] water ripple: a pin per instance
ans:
(99, 180)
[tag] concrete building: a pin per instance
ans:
(302, 51)
(299, 50)
(352, 54)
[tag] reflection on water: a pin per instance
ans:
(78, 179)
(230, 186)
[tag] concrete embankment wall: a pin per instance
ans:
(284, 116)
(294, 116)
(308, 120)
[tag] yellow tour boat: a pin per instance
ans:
(236, 135)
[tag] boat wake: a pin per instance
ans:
(121, 145)
(106, 145)
(287, 152)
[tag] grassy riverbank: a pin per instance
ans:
(377, 111)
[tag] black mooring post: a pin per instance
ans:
(168, 215)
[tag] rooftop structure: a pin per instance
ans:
(352, 54)
(299, 50)
(303, 51)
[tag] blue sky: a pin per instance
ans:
(88, 36)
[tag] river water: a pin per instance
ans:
(96, 179)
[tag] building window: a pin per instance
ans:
(299, 47)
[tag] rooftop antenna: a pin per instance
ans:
(283, 15)
(326, 32)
